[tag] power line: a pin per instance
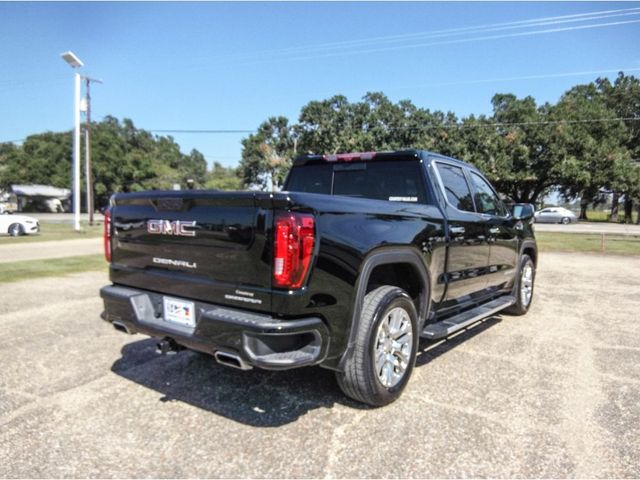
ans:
(520, 124)
(443, 125)
(200, 131)
(521, 24)
(524, 77)
(482, 80)
(445, 42)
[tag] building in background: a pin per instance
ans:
(41, 198)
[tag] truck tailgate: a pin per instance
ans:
(203, 245)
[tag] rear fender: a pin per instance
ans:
(384, 256)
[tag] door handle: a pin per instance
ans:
(457, 230)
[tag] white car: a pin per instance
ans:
(16, 225)
(555, 215)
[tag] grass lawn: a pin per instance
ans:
(600, 216)
(50, 231)
(588, 242)
(52, 267)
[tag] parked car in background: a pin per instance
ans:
(16, 225)
(8, 203)
(555, 215)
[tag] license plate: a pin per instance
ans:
(179, 311)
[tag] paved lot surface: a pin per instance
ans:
(552, 394)
(55, 249)
(594, 227)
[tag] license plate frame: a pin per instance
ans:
(179, 311)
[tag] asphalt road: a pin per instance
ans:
(590, 227)
(553, 394)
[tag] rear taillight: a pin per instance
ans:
(107, 235)
(293, 248)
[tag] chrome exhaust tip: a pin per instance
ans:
(231, 360)
(121, 327)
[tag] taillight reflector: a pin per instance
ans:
(107, 235)
(294, 239)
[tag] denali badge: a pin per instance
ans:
(176, 263)
(168, 227)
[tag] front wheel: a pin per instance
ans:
(15, 230)
(566, 220)
(523, 287)
(385, 351)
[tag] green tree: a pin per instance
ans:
(268, 152)
(124, 159)
(595, 156)
(623, 98)
(223, 178)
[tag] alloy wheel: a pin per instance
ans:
(393, 345)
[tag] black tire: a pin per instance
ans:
(565, 220)
(360, 380)
(522, 306)
(16, 230)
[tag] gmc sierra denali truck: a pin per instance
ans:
(360, 256)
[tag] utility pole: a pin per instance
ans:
(87, 138)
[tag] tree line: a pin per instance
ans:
(124, 159)
(584, 145)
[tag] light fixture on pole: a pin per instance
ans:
(75, 63)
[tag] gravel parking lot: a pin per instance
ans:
(552, 394)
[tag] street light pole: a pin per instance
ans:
(76, 156)
(75, 63)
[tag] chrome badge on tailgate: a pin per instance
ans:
(171, 227)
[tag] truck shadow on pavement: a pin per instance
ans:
(256, 397)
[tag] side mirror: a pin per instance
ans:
(522, 211)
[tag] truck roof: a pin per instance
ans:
(387, 155)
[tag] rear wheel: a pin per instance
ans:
(524, 287)
(566, 220)
(385, 351)
(15, 230)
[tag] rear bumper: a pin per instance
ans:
(260, 340)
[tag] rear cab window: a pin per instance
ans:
(389, 180)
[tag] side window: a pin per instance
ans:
(456, 187)
(486, 200)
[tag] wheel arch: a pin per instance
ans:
(383, 264)
(530, 248)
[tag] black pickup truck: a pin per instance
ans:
(360, 256)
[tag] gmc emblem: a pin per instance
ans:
(168, 227)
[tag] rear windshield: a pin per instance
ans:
(395, 181)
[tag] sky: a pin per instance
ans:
(229, 66)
